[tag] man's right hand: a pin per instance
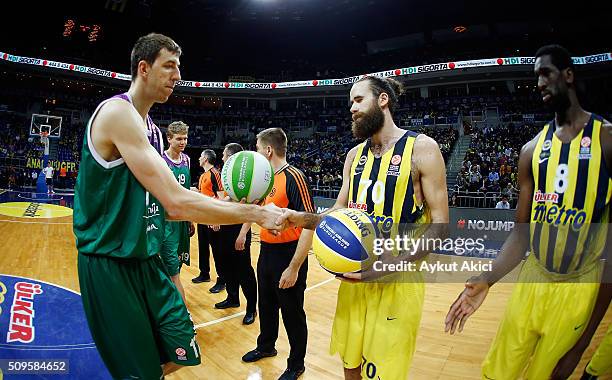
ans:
(287, 217)
(270, 217)
(474, 294)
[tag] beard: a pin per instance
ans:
(559, 103)
(369, 123)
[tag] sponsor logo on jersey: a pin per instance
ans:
(359, 206)
(382, 222)
(539, 196)
(362, 160)
(181, 353)
(555, 215)
(585, 148)
(585, 142)
(394, 170)
(395, 160)
(153, 209)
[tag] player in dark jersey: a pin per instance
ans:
(176, 244)
(124, 188)
(562, 220)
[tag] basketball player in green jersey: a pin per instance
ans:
(562, 220)
(135, 313)
(398, 177)
(175, 248)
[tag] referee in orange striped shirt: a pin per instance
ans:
(282, 264)
(210, 185)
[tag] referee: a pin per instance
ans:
(209, 185)
(282, 264)
(236, 249)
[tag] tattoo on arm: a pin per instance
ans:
(311, 221)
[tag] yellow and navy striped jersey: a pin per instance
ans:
(569, 212)
(383, 187)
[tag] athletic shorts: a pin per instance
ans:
(376, 326)
(543, 320)
(175, 247)
(136, 316)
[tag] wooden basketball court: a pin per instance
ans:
(44, 249)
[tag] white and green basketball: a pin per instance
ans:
(249, 175)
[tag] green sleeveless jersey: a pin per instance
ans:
(180, 169)
(113, 213)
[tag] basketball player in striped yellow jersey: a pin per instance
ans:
(562, 220)
(398, 177)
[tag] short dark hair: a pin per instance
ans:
(389, 86)
(210, 155)
(276, 138)
(147, 49)
(559, 56)
(233, 148)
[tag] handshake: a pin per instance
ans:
(274, 218)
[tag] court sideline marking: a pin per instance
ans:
(215, 321)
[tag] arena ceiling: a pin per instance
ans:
(252, 37)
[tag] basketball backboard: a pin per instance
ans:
(46, 123)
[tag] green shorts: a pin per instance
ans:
(175, 247)
(136, 316)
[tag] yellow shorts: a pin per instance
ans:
(376, 326)
(542, 322)
(601, 362)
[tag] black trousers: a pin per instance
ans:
(273, 260)
(207, 239)
(239, 271)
